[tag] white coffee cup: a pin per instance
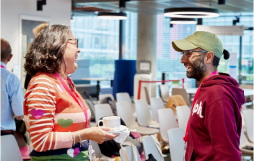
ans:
(110, 121)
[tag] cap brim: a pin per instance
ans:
(180, 45)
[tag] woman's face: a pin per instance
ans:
(70, 56)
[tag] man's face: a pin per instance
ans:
(194, 62)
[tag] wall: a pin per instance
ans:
(57, 11)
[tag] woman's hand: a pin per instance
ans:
(98, 134)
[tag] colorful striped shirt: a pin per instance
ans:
(51, 113)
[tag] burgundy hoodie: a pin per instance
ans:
(215, 121)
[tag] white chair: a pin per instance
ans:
(143, 114)
(102, 110)
(124, 110)
(175, 86)
(124, 96)
(102, 96)
(248, 116)
(243, 143)
(98, 153)
(176, 144)
(151, 148)
(156, 104)
(130, 153)
(183, 93)
(167, 121)
(9, 149)
(164, 91)
(183, 114)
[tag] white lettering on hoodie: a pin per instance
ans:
(198, 109)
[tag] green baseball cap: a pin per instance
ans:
(200, 39)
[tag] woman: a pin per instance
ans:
(56, 116)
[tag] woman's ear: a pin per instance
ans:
(209, 57)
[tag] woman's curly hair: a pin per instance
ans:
(46, 51)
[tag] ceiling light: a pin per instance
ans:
(191, 12)
(183, 21)
(112, 15)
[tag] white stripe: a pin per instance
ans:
(35, 136)
(43, 83)
(40, 99)
(42, 109)
(38, 140)
(38, 146)
(55, 141)
(44, 105)
(38, 93)
(51, 141)
(43, 130)
(45, 140)
(49, 119)
(40, 88)
(41, 78)
(34, 126)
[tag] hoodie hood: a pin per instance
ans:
(229, 83)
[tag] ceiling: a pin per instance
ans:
(157, 6)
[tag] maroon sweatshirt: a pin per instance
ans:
(215, 121)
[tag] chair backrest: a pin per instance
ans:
(124, 96)
(176, 144)
(102, 96)
(147, 95)
(150, 148)
(164, 91)
(167, 121)
(130, 154)
(156, 103)
(175, 86)
(183, 93)
(9, 149)
(102, 110)
(183, 114)
(248, 116)
(143, 113)
(96, 149)
(124, 110)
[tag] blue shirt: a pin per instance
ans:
(12, 97)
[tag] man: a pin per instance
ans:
(12, 95)
(214, 127)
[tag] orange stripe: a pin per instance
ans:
(73, 127)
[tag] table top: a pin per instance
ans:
(247, 92)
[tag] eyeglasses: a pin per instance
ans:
(188, 53)
(76, 42)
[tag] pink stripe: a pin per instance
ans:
(76, 117)
(64, 140)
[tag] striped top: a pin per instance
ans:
(51, 113)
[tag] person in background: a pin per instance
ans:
(12, 95)
(214, 126)
(36, 30)
(56, 116)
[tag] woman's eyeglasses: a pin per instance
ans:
(76, 42)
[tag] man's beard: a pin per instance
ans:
(198, 69)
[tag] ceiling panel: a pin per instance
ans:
(158, 6)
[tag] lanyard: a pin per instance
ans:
(185, 138)
(2, 66)
(74, 96)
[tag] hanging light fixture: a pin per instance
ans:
(191, 12)
(183, 21)
(114, 15)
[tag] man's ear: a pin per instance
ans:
(10, 57)
(209, 57)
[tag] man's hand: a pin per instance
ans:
(21, 117)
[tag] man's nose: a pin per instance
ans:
(183, 59)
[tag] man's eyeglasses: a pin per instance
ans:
(188, 53)
(76, 42)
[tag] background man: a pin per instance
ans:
(214, 127)
(12, 95)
